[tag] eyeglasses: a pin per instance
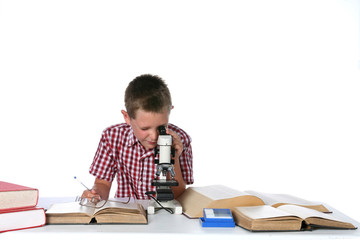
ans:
(96, 202)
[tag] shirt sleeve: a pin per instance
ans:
(104, 165)
(186, 164)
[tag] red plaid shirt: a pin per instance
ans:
(120, 153)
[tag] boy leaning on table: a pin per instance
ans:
(126, 150)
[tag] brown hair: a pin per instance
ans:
(147, 92)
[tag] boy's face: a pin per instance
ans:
(145, 125)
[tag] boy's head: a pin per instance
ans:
(148, 105)
(149, 93)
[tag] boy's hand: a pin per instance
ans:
(91, 196)
(100, 191)
(177, 144)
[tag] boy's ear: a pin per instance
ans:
(126, 116)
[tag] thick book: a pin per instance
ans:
(14, 196)
(195, 199)
(286, 218)
(21, 218)
(111, 212)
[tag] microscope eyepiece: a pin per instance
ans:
(162, 130)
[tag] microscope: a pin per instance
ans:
(164, 160)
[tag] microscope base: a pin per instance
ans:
(173, 204)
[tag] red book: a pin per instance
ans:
(21, 218)
(14, 196)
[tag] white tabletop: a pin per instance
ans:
(163, 225)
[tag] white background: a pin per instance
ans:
(268, 90)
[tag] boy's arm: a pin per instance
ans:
(179, 178)
(177, 144)
(101, 188)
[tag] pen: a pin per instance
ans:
(81, 183)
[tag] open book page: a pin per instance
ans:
(304, 212)
(71, 207)
(131, 207)
(276, 200)
(262, 212)
(218, 192)
(271, 199)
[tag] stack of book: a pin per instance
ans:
(18, 208)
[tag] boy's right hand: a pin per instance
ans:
(91, 196)
(100, 191)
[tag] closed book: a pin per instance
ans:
(14, 196)
(21, 218)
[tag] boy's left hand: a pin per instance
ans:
(177, 144)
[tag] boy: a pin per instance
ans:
(127, 150)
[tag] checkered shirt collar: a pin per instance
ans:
(131, 139)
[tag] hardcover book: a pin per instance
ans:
(21, 218)
(14, 196)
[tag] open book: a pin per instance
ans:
(195, 199)
(285, 218)
(111, 212)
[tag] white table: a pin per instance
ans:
(163, 225)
